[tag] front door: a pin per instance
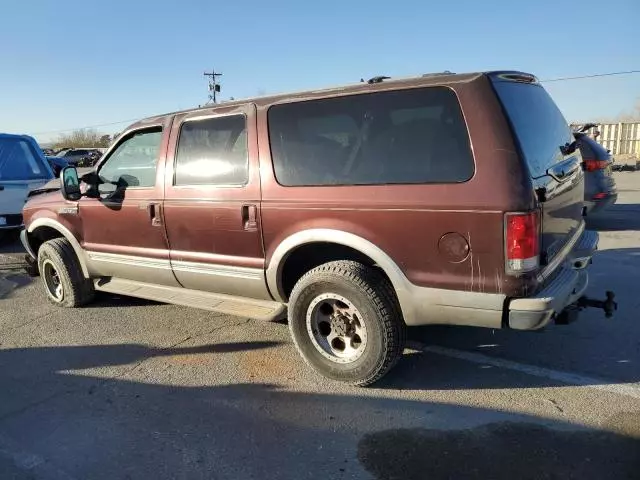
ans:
(212, 202)
(123, 230)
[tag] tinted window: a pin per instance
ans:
(134, 161)
(19, 161)
(76, 153)
(537, 123)
(401, 137)
(213, 151)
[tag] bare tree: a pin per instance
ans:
(82, 138)
(630, 116)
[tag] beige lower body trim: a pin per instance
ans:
(206, 277)
(436, 306)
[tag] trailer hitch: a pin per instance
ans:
(608, 305)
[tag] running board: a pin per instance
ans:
(226, 304)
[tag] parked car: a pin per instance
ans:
(74, 155)
(90, 159)
(56, 164)
(358, 210)
(22, 168)
(600, 186)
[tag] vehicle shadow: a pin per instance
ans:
(602, 351)
(617, 217)
(105, 300)
(10, 281)
(56, 414)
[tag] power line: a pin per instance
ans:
(87, 127)
(214, 91)
(628, 72)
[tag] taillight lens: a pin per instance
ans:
(593, 165)
(522, 241)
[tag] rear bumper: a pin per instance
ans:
(564, 289)
(594, 206)
(12, 221)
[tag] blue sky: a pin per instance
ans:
(73, 63)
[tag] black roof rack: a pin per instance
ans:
(378, 79)
(446, 72)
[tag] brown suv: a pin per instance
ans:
(442, 199)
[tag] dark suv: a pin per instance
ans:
(442, 199)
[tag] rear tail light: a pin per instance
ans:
(600, 196)
(593, 165)
(522, 242)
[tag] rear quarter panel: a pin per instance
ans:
(408, 221)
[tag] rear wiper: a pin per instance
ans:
(569, 148)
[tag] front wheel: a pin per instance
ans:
(346, 323)
(61, 274)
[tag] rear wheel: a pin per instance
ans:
(61, 275)
(346, 323)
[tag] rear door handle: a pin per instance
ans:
(155, 215)
(249, 217)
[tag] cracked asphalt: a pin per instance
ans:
(130, 389)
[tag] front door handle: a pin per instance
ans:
(249, 217)
(155, 215)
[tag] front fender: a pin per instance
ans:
(41, 222)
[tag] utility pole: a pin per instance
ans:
(214, 86)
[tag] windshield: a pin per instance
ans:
(538, 124)
(18, 161)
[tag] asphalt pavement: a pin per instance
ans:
(128, 389)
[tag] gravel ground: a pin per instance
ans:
(132, 389)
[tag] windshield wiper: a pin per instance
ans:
(38, 191)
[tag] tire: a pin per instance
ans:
(58, 260)
(365, 353)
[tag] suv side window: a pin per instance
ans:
(134, 162)
(400, 137)
(212, 151)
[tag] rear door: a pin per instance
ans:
(212, 202)
(546, 144)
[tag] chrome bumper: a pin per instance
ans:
(564, 290)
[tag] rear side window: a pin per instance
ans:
(401, 137)
(19, 161)
(537, 123)
(213, 151)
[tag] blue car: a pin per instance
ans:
(56, 164)
(23, 168)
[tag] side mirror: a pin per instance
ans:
(70, 184)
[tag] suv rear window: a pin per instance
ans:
(592, 150)
(400, 137)
(18, 161)
(537, 123)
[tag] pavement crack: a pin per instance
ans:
(208, 332)
(555, 404)
(39, 317)
(34, 404)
